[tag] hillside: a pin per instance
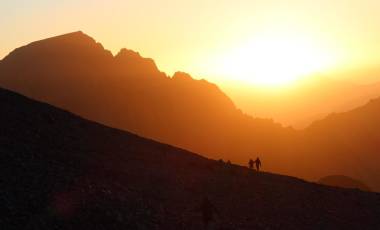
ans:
(59, 171)
(128, 92)
(343, 182)
(351, 138)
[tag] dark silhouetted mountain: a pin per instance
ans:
(59, 171)
(343, 182)
(128, 92)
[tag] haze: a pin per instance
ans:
(201, 36)
(268, 47)
(199, 114)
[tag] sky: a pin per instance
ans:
(238, 41)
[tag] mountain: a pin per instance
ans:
(128, 92)
(352, 139)
(59, 171)
(343, 182)
(304, 102)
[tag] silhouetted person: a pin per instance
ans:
(250, 163)
(258, 164)
(208, 211)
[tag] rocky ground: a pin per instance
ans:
(59, 171)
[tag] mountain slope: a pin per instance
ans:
(343, 182)
(59, 171)
(352, 139)
(127, 91)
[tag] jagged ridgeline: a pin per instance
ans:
(128, 92)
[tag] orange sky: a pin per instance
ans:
(222, 41)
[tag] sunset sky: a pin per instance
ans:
(253, 42)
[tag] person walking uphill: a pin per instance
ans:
(258, 164)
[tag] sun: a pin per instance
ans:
(274, 60)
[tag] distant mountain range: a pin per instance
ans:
(304, 102)
(349, 141)
(127, 91)
(59, 171)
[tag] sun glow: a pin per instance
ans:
(275, 60)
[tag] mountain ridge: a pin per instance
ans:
(305, 101)
(187, 113)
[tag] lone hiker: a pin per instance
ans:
(258, 164)
(250, 163)
(208, 211)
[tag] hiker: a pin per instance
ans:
(258, 163)
(208, 212)
(250, 163)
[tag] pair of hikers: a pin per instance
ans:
(256, 162)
